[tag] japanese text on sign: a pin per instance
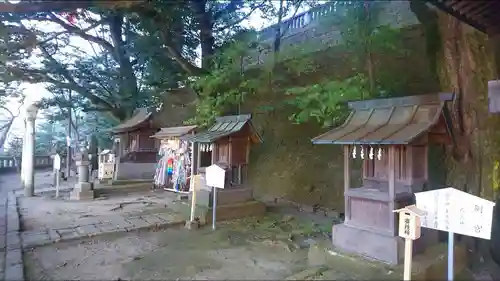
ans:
(407, 226)
(455, 211)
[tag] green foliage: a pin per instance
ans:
(362, 38)
(326, 102)
(226, 86)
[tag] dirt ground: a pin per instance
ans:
(260, 249)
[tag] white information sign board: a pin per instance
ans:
(57, 162)
(452, 210)
(215, 176)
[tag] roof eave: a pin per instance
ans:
(119, 129)
(443, 7)
(361, 142)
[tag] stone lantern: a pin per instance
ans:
(83, 188)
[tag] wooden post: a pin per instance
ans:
(214, 149)
(193, 200)
(409, 229)
(347, 182)
(392, 184)
(408, 259)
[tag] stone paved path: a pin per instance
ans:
(12, 261)
(105, 225)
(46, 220)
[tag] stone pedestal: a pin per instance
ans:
(192, 225)
(383, 247)
(83, 189)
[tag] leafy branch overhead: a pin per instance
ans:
(113, 60)
(116, 58)
(291, 73)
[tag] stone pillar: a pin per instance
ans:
(28, 156)
(83, 188)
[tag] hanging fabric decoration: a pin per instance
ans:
(362, 153)
(354, 152)
(370, 155)
(170, 166)
(379, 154)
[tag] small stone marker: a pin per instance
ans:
(216, 178)
(409, 229)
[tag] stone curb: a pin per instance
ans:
(156, 226)
(13, 267)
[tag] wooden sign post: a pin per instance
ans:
(216, 178)
(455, 211)
(57, 169)
(409, 229)
(194, 186)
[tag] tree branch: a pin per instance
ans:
(65, 73)
(66, 31)
(84, 35)
(188, 66)
(8, 110)
(37, 6)
(297, 6)
(240, 20)
(231, 7)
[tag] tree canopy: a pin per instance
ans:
(103, 61)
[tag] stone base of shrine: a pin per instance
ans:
(235, 211)
(82, 191)
(379, 246)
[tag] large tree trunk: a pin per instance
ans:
(464, 60)
(128, 81)
(205, 21)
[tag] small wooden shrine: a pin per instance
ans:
(106, 162)
(227, 143)
(392, 138)
(175, 165)
(135, 150)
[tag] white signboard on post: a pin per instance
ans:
(215, 176)
(452, 210)
(57, 162)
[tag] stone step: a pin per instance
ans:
(101, 190)
(127, 182)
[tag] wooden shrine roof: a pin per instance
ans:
(483, 15)
(224, 126)
(141, 116)
(388, 121)
(173, 132)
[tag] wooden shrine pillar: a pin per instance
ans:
(347, 183)
(392, 184)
